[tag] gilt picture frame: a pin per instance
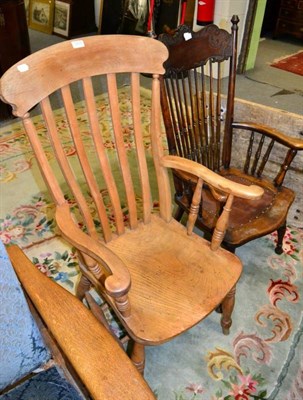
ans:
(41, 14)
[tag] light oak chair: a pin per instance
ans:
(77, 357)
(198, 110)
(158, 277)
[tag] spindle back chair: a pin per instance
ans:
(198, 111)
(157, 276)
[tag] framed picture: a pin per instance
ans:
(61, 18)
(41, 14)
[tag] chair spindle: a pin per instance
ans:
(121, 151)
(65, 166)
(265, 158)
(144, 178)
(194, 207)
(84, 162)
(221, 225)
(101, 155)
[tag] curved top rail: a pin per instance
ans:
(209, 42)
(35, 77)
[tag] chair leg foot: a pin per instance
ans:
(279, 250)
(281, 233)
(83, 287)
(138, 356)
(227, 309)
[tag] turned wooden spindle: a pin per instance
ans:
(87, 263)
(123, 305)
(221, 225)
(194, 207)
(82, 287)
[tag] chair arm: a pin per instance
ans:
(288, 141)
(212, 178)
(118, 282)
(101, 364)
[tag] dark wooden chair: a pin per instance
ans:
(198, 112)
(157, 276)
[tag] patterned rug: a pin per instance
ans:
(262, 358)
(292, 63)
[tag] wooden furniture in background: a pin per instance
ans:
(200, 126)
(166, 15)
(14, 40)
(158, 277)
(89, 356)
(100, 17)
(290, 20)
(110, 16)
(190, 13)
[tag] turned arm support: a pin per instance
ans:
(100, 363)
(213, 179)
(275, 134)
(118, 283)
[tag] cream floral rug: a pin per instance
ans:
(262, 358)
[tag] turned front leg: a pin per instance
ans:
(227, 308)
(138, 356)
(281, 233)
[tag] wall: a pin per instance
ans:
(255, 37)
(224, 10)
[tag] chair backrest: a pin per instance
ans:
(107, 193)
(104, 189)
(195, 101)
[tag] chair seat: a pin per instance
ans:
(249, 219)
(177, 280)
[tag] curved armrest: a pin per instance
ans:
(101, 364)
(118, 283)
(288, 141)
(212, 178)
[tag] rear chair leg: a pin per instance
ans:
(227, 309)
(281, 233)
